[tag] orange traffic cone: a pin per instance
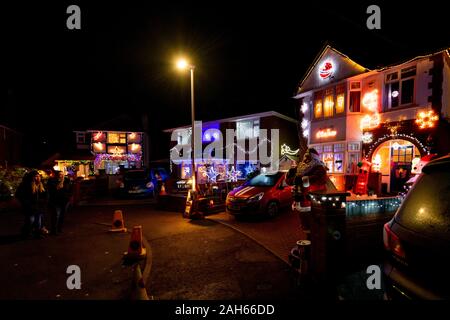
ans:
(163, 192)
(138, 291)
(135, 249)
(118, 225)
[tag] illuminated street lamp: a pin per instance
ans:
(183, 64)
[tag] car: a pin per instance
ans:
(265, 193)
(417, 239)
(137, 183)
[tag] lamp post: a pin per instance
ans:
(182, 64)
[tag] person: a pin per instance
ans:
(33, 199)
(311, 175)
(60, 192)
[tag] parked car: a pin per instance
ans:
(417, 239)
(137, 183)
(266, 193)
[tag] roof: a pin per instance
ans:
(303, 86)
(73, 156)
(121, 123)
(348, 68)
(242, 118)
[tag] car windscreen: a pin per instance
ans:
(136, 175)
(426, 208)
(264, 180)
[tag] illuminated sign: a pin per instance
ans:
(426, 119)
(116, 149)
(285, 149)
(367, 137)
(370, 103)
(99, 136)
(326, 70)
(99, 147)
(326, 133)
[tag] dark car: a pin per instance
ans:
(137, 183)
(417, 239)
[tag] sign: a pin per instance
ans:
(326, 70)
(326, 133)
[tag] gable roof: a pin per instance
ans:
(328, 67)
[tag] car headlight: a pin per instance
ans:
(149, 185)
(256, 197)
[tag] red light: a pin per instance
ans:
(392, 242)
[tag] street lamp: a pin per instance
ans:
(183, 64)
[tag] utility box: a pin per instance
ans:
(328, 238)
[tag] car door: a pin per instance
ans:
(285, 192)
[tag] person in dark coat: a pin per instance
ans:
(33, 199)
(60, 192)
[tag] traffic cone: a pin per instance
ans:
(138, 291)
(163, 192)
(118, 224)
(135, 249)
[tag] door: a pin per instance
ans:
(400, 167)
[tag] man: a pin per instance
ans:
(59, 190)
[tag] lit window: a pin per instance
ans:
(328, 106)
(113, 137)
(318, 109)
(340, 103)
(247, 129)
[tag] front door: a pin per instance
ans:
(401, 159)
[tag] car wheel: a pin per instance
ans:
(272, 209)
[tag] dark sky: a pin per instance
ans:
(249, 58)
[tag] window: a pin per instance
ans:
(328, 105)
(327, 158)
(318, 109)
(81, 137)
(340, 98)
(338, 162)
(352, 165)
(117, 137)
(353, 146)
(328, 148)
(400, 90)
(247, 129)
(183, 136)
(355, 96)
(339, 147)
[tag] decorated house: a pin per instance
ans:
(392, 116)
(245, 128)
(113, 145)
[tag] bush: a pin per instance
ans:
(9, 181)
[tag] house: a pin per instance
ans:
(249, 134)
(106, 148)
(390, 116)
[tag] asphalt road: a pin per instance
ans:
(190, 259)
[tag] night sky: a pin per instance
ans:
(249, 58)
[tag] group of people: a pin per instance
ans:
(38, 199)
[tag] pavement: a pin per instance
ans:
(279, 234)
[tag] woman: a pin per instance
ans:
(33, 198)
(59, 191)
